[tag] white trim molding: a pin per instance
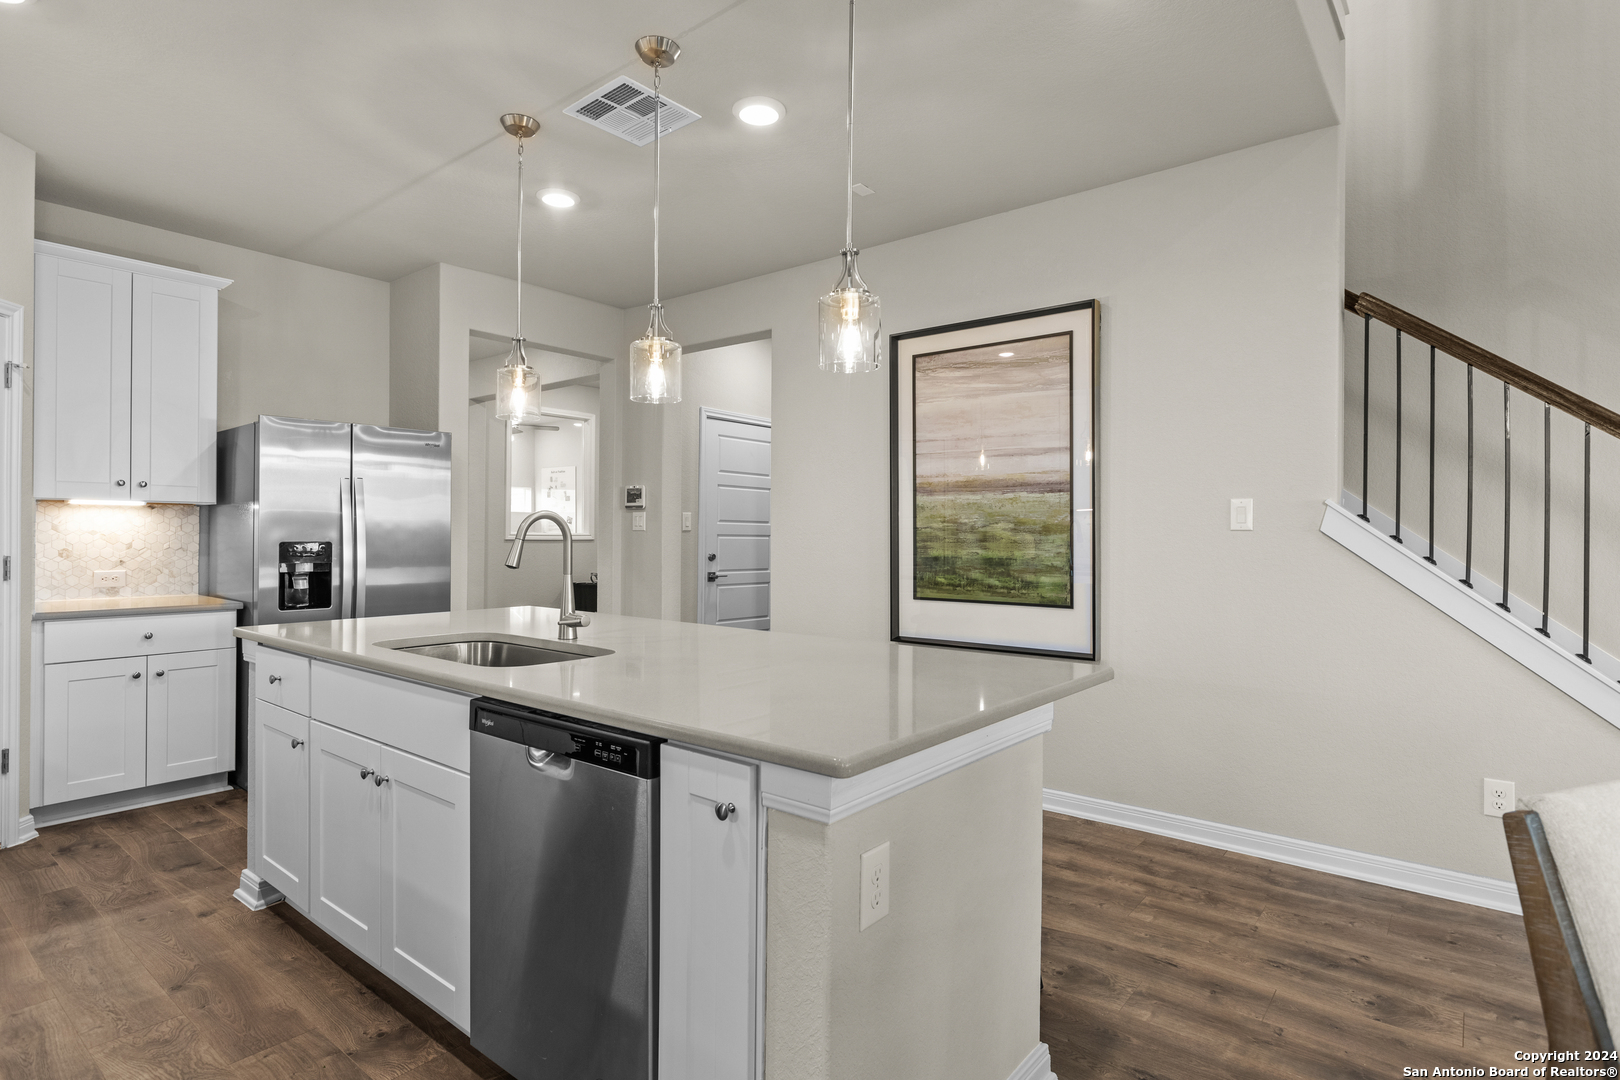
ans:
(1036, 1066)
(1553, 658)
(26, 830)
(828, 799)
(1378, 869)
(136, 266)
(12, 830)
(134, 799)
(255, 892)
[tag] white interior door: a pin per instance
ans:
(734, 511)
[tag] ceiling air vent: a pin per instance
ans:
(625, 107)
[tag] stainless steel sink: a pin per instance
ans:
(481, 652)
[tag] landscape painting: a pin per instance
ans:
(994, 484)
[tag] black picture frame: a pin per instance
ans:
(902, 576)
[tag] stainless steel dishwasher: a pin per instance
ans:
(564, 896)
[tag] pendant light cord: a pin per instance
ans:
(849, 179)
(657, 178)
(518, 334)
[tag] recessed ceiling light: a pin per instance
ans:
(559, 198)
(759, 111)
(1004, 355)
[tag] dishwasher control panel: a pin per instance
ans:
(594, 744)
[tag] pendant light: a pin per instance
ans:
(517, 385)
(850, 326)
(655, 357)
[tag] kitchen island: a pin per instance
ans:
(825, 749)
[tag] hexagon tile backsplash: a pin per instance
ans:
(156, 545)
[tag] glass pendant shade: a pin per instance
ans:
(850, 324)
(655, 364)
(517, 389)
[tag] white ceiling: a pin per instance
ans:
(364, 135)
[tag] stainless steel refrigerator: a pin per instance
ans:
(321, 520)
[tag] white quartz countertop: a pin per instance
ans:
(822, 704)
(101, 607)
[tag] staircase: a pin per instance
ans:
(1476, 473)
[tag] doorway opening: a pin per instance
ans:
(734, 520)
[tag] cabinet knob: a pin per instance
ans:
(120, 483)
(142, 483)
(380, 780)
(724, 810)
(365, 772)
(136, 675)
(296, 743)
(147, 635)
(275, 679)
(157, 674)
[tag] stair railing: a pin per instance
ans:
(1511, 375)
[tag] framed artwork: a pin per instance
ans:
(993, 483)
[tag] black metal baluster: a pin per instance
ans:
(1586, 555)
(1507, 490)
(1396, 536)
(1430, 557)
(1366, 405)
(1546, 516)
(1468, 542)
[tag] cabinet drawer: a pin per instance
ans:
(421, 720)
(137, 635)
(282, 679)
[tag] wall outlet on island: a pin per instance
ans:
(109, 579)
(874, 884)
(1498, 797)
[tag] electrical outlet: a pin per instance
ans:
(1243, 515)
(686, 521)
(874, 884)
(1498, 797)
(638, 521)
(109, 579)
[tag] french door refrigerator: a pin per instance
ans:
(320, 520)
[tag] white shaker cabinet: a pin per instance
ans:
(345, 838)
(281, 789)
(95, 728)
(711, 843)
(126, 386)
(190, 715)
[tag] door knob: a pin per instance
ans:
(297, 743)
(724, 810)
(136, 675)
(380, 780)
(157, 674)
(143, 483)
(716, 577)
(120, 483)
(365, 772)
(275, 679)
(147, 635)
(711, 556)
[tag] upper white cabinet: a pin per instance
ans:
(126, 386)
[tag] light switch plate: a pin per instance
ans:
(110, 579)
(638, 521)
(686, 521)
(874, 884)
(1243, 515)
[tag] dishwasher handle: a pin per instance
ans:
(550, 763)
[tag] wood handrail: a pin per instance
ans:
(1542, 389)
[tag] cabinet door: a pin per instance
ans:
(190, 715)
(345, 836)
(173, 393)
(708, 918)
(95, 728)
(428, 910)
(281, 790)
(81, 387)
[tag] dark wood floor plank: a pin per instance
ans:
(40, 1044)
(228, 847)
(192, 818)
(93, 860)
(160, 851)
(105, 990)
(176, 1049)
(22, 984)
(309, 1056)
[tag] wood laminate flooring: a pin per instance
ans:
(123, 956)
(1164, 959)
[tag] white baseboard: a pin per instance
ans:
(26, 830)
(1379, 869)
(1037, 1066)
(256, 893)
(79, 809)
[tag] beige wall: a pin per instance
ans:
(935, 990)
(294, 339)
(735, 378)
(1266, 679)
(17, 285)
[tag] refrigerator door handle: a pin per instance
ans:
(346, 540)
(359, 547)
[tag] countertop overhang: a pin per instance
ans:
(825, 705)
(101, 607)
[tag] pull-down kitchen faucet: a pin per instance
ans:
(568, 620)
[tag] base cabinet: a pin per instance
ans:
(190, 715)
(281, 789)
(95, 728)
